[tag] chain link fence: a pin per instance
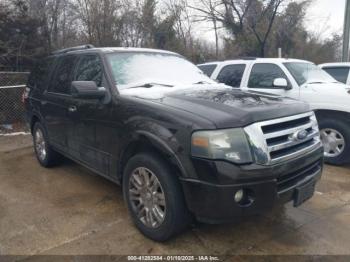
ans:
(12, 85)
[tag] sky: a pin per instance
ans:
(325, 17)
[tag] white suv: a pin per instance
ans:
(297, 79)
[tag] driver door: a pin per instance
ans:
(86, 117)
(262, 79)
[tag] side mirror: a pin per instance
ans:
(281, 82)
(87, 90)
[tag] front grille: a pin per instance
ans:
(286, 182)
(284, 138)
(284, 125)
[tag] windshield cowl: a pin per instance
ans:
(314, 82)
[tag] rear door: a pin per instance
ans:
(231, 75)
(54, 103)
(36, 85)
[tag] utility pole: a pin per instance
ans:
(279, 52)
(346, 32)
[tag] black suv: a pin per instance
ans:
(181, 145)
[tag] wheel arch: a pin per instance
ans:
(34, 119)
(326, 119)
(147, 142)
(322, 113)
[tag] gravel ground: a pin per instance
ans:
(69, 210)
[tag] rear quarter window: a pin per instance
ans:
(39, 76)
(207, 69)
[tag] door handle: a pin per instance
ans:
(72, 109)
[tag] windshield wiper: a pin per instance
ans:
(149, 85)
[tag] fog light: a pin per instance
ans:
(239, 195)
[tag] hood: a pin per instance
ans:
(225, 106)
(328, 87)
(327, 96)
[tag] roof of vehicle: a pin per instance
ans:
(342, 64)
(89, 48)
(271, 60)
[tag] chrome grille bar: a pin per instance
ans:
(275, 146)
(287, 131)
(290, 143)
(296, 153)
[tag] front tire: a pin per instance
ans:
(335, 136)
(154, 197)
(46, 156)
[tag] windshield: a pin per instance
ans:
(308, 73)
(145, 69)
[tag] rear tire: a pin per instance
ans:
(335, 136)
(46, 156)
(158, 210)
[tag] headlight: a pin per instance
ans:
(227, 144)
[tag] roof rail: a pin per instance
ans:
(66, 50)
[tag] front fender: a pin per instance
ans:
(162, 146)
(168, 140)
(335, 107)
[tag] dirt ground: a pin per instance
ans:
(69, 210)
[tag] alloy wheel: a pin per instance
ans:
(147, 197)
(333, 142)
(40, 144)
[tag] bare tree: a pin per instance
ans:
(260, 19)
(99, 19)
(182, 24)
(210, 11)
(31, 28)
(242, 18)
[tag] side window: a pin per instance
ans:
(89, 69)
(263, 75)
(39, 76)
(339, 73)
(63, 75)
(231, 75)
(207, 69)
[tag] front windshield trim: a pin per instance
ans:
(116, 50)
(144, 52)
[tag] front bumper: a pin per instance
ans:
(212, 200)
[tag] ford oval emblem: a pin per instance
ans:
(301, 135)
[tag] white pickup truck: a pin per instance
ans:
(301, 80)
